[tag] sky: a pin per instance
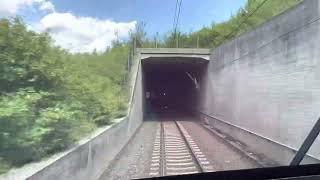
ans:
(87, 25)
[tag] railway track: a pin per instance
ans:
(175, 152)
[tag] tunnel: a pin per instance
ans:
(172, 85)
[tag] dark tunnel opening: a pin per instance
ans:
(172, 86)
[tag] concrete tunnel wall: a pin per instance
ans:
(264, 87)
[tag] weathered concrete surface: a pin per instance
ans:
(267, 81)
(174, 52)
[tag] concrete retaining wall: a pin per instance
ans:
(89, 160)
(267, 81)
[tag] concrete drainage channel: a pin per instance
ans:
(176, 153)
(260, 160)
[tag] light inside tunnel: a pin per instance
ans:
(172, 85)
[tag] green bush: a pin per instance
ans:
(50, 98)
(17, 117)
(4, 166)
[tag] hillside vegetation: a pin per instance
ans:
(50, 98)
(248, 17)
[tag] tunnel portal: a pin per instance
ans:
(172, 85)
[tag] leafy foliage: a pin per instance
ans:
(49, 98)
